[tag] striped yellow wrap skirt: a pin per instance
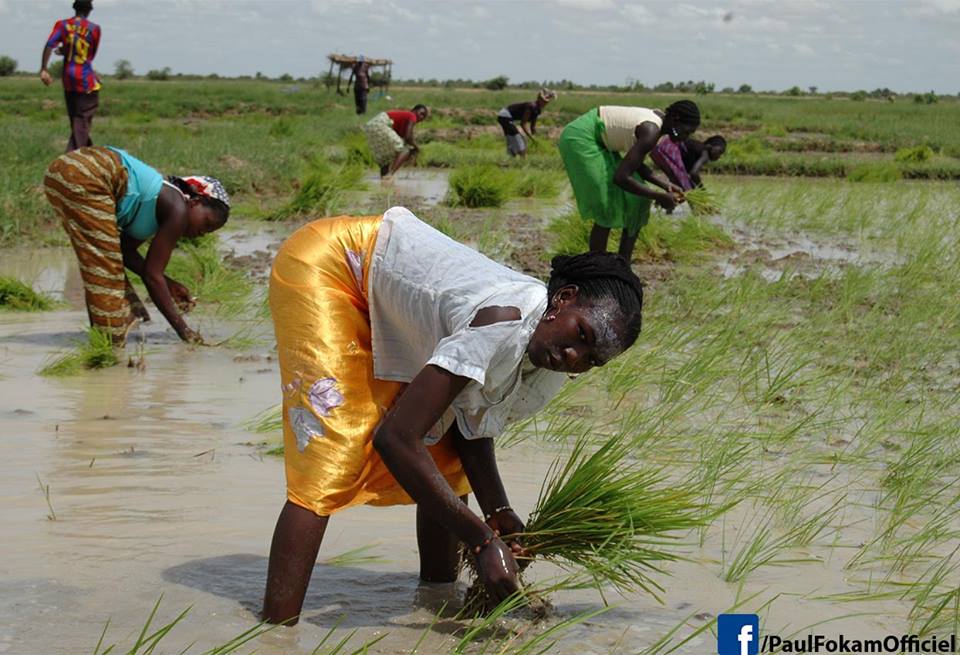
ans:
(84, 186)
(332, 404)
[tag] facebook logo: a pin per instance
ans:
(738, 634)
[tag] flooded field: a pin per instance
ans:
(826, 426)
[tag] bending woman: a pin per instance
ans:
(682, 162)
(402, 354)
(110, 203)
(609, 187)
(527, 113)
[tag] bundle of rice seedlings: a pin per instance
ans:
(96, 352)
(198, 264)
(604, 517)
(479, 186)
(269, 420)
(702, 201)
(18, 296)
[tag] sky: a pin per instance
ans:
(907, 45)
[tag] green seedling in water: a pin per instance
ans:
(45, 490)
(96, 352)
(17, 296)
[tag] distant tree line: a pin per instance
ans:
(123, 70)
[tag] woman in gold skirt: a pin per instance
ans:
(402, 354)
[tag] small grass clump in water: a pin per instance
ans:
(97, 352)
(479, 186)
(702, 201)
(322, 188)
(18, 296)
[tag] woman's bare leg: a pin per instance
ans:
(439, 549)
(293, 554)
(627, 244)
(598, 238)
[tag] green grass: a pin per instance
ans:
(17, 296)
(96, 352)
(322, 188)
(479, 186)
(198, 264)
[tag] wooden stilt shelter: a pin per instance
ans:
(345, 63)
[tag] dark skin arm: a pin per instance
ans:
(399, 441)
(525, 121)
(697, 165)
(172, 217)
(647, 134)
(408, 137)
(44, 60)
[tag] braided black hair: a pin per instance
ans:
(685, 112)
(600, 276)
(220, 207)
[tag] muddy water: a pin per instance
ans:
(156, 490)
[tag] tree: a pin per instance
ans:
(161, 75)
(703, 88)
(122, 69)
(8, 66)
(812, 90)
(794, 91)
(745, 88)
(497, 83)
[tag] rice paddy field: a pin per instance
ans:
(798, 376)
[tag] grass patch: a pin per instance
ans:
(479, 186)
(875, 172)
(95, 352)
(914, 155)
(321, 189)
(703, 202)
(17, 296)
(198, 264)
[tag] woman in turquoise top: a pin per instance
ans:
(110, 203)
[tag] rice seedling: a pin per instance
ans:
(17, 296)
(914, 155)
(358, 556)
(608, 519)
(45, 490)
(479, 186)
(269, 420)
(322, 189)
(96, 352)
(703, 201)
(198, 264)
(877, 172)
(149, 639)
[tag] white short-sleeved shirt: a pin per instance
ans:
(620, 125)
(424, 290)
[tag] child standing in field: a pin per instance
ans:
(603, 152)
(402, 354)
(682, 162)
(527, 113)
(78, 38)
(390, 137)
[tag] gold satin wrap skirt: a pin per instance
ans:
(332, 404)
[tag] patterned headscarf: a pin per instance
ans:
(547, 95)
(207, 186)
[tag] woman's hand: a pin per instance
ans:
(45, 77)
(506, 523)
(190, 336)
(498, 569)
(667, 200)
(181, 295)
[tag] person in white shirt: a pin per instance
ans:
(402, 354)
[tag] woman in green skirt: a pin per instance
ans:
(609, 186)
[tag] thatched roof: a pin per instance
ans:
(349, 60)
